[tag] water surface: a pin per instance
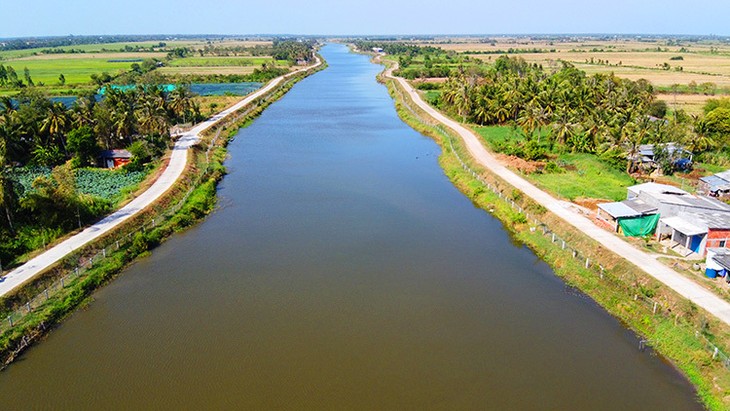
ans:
(342, 270)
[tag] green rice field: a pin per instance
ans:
(75, 70)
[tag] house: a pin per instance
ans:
(115, 158)
(647, 156)
(697, 231)
(717, 185)
(632, 217)
(670, 200)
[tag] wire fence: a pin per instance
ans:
(123, 237)
(590, 264)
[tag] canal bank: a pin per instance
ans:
(342, 269)
(676, 328)
(34, 308)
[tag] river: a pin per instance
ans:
(342, 270)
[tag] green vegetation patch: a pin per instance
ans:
(584, 175)
(498, 136)
(103, 183)
(107, 184)
(225, 62)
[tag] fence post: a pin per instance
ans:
(552, 240)
(27, 306)
(46, 292)
(103, 252)
(714, 353)
(588, 261)
(653, 311)
(563, 245)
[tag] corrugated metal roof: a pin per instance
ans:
(619, 210)
(725, 175)
(716, 183)
(723, 260)
(640, 206)
(116, 154)
(656, 188)
(683, 226)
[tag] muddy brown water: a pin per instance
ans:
(342, 270)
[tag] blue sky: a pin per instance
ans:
(46, 17)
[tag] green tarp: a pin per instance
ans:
(639, 226)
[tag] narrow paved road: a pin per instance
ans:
(682, 285)
(174, 170)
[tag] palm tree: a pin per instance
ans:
(7, 190)
(55, 124)
(181, 102)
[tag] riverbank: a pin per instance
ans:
(70, 282)
(673, 327)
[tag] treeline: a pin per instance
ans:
(569, 110)
(50, 42)
(397, 48)
(293, 50)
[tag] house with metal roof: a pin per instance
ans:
(646, 155)
(716, 185)
(670, 200)
(697, 231)
(628, 215)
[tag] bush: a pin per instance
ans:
(553, 168)
(534, 151)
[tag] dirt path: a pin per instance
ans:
(682, 285)
(175, 168)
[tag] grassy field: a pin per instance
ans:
(585, 176)
(579, 176)
(76, 70)
(148, 45)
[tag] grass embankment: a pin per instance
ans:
(675, 331)
(195, 191)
